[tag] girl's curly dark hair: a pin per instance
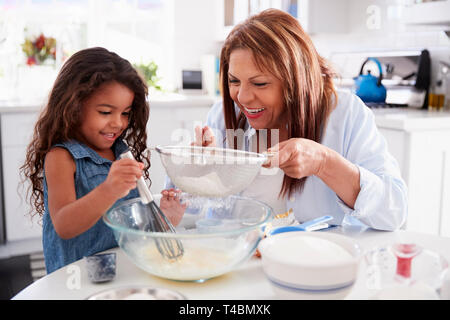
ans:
(79, 77)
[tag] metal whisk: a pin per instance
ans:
(170, 249)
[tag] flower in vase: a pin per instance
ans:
(31, 61)
(39, 49)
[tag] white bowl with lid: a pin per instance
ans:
(310, 262)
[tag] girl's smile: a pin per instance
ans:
(105, 116)
(110, 136)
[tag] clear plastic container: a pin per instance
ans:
(405, 271)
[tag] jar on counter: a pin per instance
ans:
(438, 98)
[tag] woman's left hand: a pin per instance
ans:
(171, 206)
(298, 157)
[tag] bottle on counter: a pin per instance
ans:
(437, 96)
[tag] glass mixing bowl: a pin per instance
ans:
(217, 235)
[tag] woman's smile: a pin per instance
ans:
(253, 113)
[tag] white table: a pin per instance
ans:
(246, 283)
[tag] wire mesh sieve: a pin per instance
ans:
(208, 171)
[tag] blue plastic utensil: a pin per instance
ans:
(301, 227)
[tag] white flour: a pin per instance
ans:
(209, 185)
(197, 263)
(308, 250)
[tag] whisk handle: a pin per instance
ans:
(144, 191)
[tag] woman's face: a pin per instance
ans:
(258, 94)
(105, 115)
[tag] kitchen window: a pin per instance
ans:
(138, 30)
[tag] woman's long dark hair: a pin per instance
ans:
(81, 75)
(280, 46)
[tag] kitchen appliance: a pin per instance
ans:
(218, 235)
(406, 75)
(192, 82)
(368, 87)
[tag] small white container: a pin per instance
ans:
(137, 293)
(310, 262)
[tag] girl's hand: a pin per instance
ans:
(204, 137)
(171, 206)
(298, 157)
(122, 177)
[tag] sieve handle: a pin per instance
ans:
(144, 191)
(268, 155)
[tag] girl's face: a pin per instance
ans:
(258, 94)
(105, 115)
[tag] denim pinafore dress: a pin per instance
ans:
(91, 171)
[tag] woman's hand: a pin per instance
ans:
(204, 137)
(171, 206)
(298, 157)
(122, 177)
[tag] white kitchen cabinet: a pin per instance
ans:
(171, 126)
(318, 16)
(324, 16)
(16, 132)
(161, 122)
(396, 140)
(424, 159)
(428, 13)
(445, 199)
(429, 163)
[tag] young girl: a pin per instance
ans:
(96, 109)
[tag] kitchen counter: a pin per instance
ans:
(247, 282)
(410, 119)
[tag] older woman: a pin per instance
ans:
(332, 158)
